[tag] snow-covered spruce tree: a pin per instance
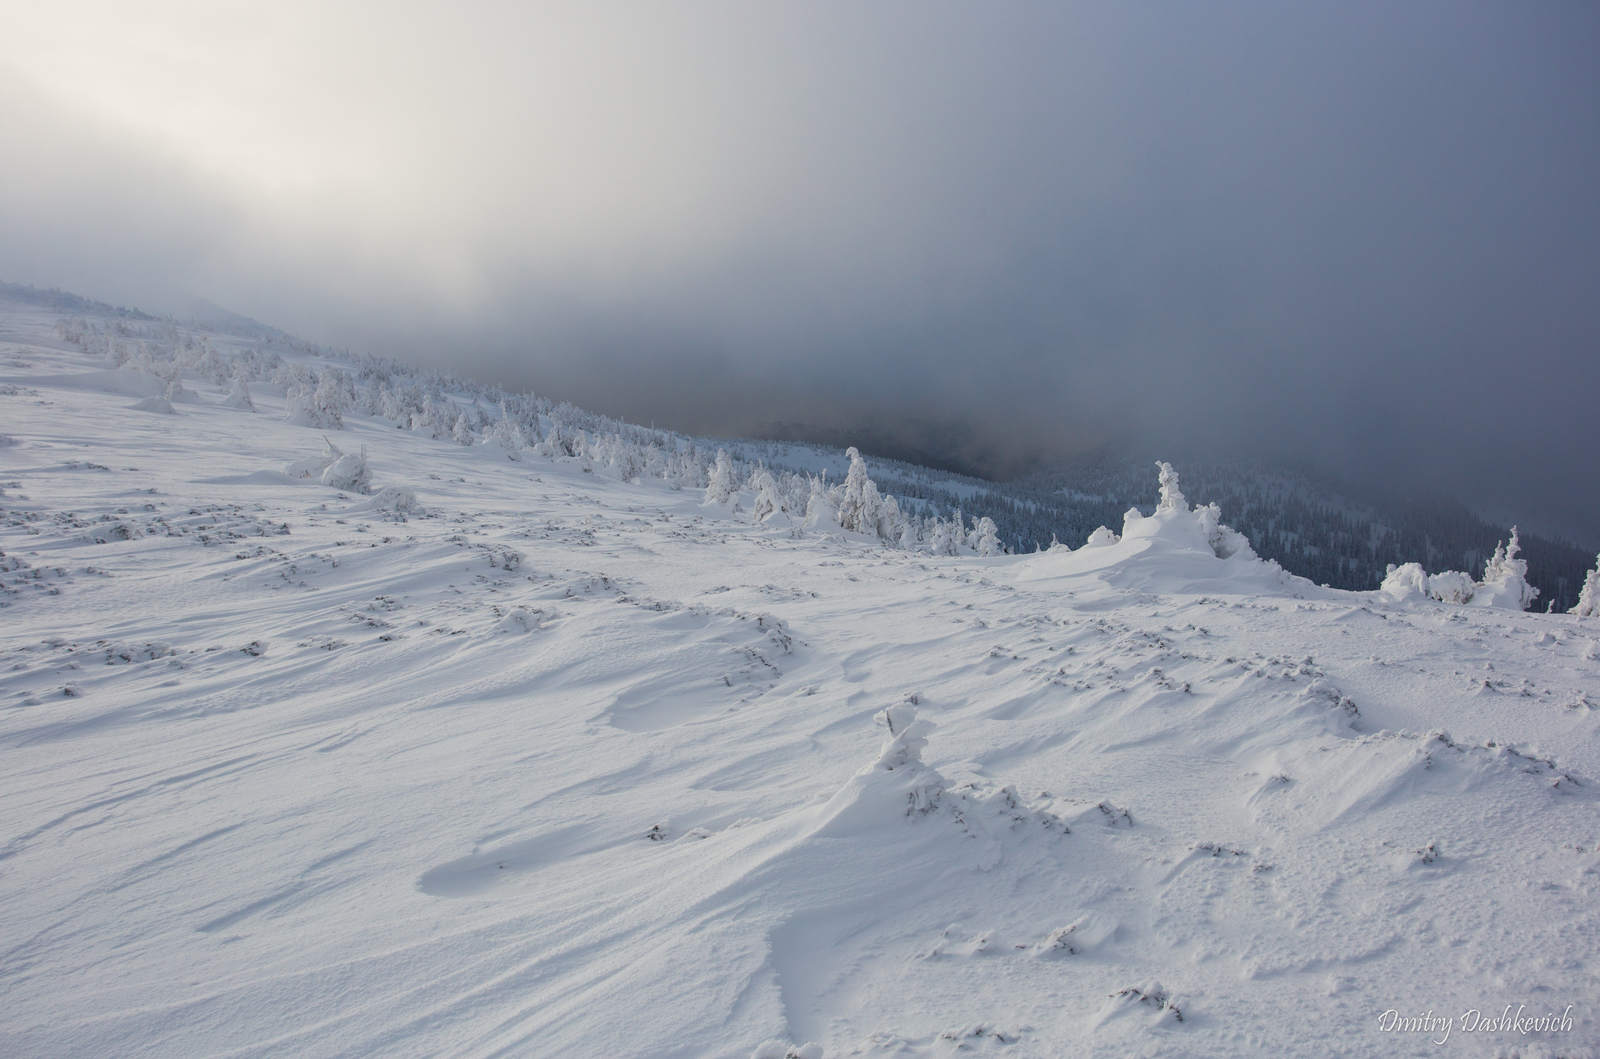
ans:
(239, 396)
(910, 535)
(766, 489)
(320, 407)
(655, 462)
(721, 487)
(624, 460)
(461, 433)
(891, 522)
(871, 508)
(944, 537)
(211, 365)
(1589, 595)
(329, 399)
(507, 435)
(822, 513)
(394, 409)
(1505, 577)
(986, 536)
(1172, 498)
(430, 421)
(852, 501)
(294, 377)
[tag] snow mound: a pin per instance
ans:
(158, 403)
(1191, 529)
(125, 381)
(392, 500)
(1101, 537)
(899, 784)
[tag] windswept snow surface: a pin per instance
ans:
(516, 759)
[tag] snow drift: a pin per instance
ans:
(578, 760)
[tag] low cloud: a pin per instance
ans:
(1366, 236)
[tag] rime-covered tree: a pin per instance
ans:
(986, 536)
(1589, 595)
(765, 487)
(944, 537)
(852, 501)
(507, 435)
(721, 487)
(1505, 576)
(239, 396)
(1172, 498)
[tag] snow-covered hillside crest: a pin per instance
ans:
(554, 755)
(450, 409)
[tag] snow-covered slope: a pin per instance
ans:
(514, 758)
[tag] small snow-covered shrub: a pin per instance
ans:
(1452, 586)
(396, 500)
(1100, 538)
(1411, 580)
(1405, 580)
(313, 466)
(1224, 540)
(907, 737)
(349, 473)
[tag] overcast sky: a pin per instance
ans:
(1369, 234)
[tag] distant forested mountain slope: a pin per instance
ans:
(1328, 531)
